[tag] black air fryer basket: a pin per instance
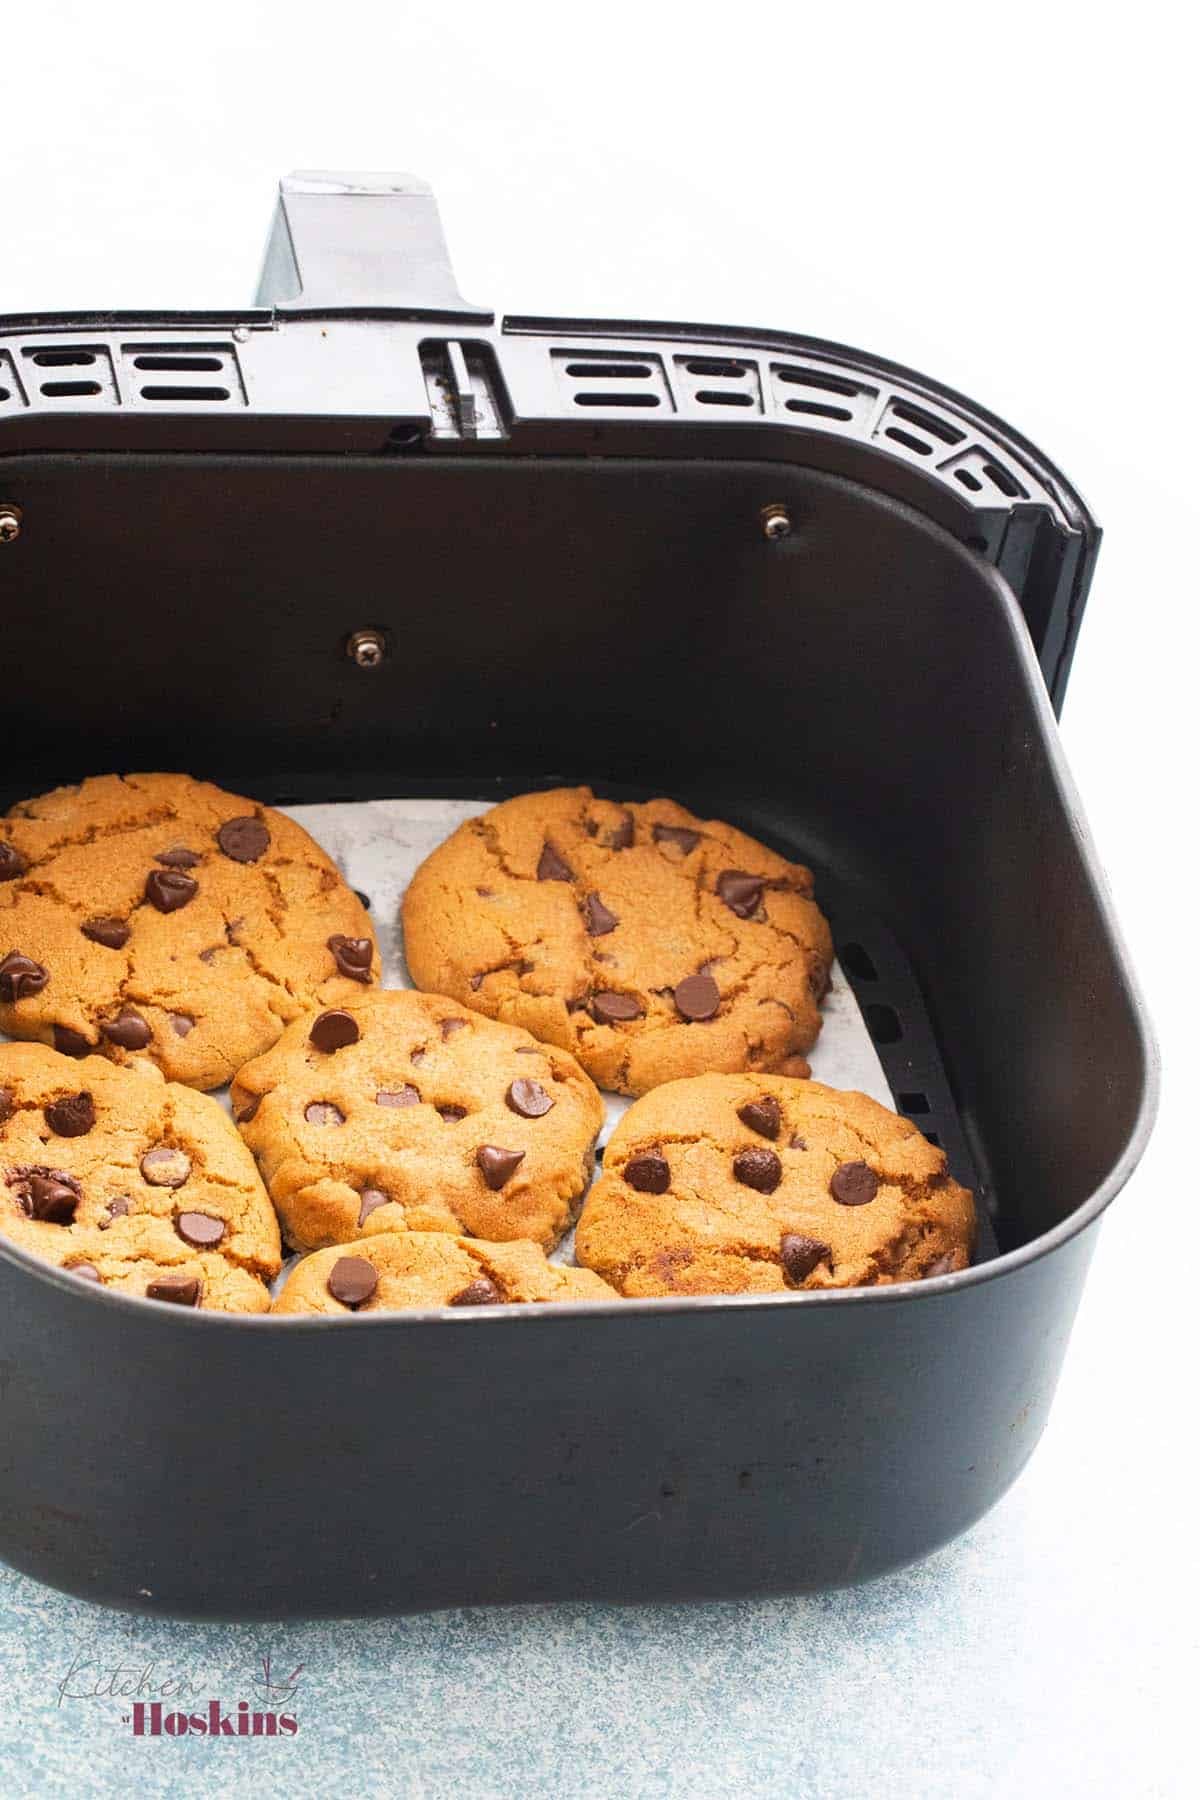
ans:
(366, 540)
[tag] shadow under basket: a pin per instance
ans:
(784, 617)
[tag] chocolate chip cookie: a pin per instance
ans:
(649, 943)
(400, 1269)
(734, 1184)
(132, 1182)
(401, 1111)
(156, 918)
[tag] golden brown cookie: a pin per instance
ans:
(649, 943)
(400, 1111)
(733, 1184)
(153, 917)
(396, 1269)
(131, 1181)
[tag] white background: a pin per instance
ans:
(1002, 196)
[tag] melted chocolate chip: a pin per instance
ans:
(597, 917)
(497, 1165)
(480, 1292)
(21, 977)
(179, 1290)
(528, 1098)
(352, 956)
(243, 840)
(86, 1271)
(613, 1009)
(452, 1114)
(181, 1024)
(12, 863)
(7, 1108)
(72, 1116)
(179, 857)
(800, 1255)
(165, 1166)
(762, 1115)
(112, 933)
(370, 1200)
(333, 1031)
(248, 1111)
(117, 1209)
(324, 1112)
(200, 1229)
(649, 1173)
(401, 1096)
(613, 837)
(48, 1195)
(678, 836)
(551, 866)
(854, 1184)
(758, 1169)
(128, 1030)
(169, 889)
(741, 893)
(69, 1042)
(697, 997)
(352, 1280)
(450, 1026)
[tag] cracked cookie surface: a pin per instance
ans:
(399, 1111)
(649, 943)
(157, 918)
(732, 1184)
(132, 1181)
(394, 1270)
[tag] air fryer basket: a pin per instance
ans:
(790, 585)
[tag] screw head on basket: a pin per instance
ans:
(10, 523)
(776, 521)
(366, 648)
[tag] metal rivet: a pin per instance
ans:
(10, 523)
(776, 520)
(366, 648)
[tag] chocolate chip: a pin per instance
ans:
(762, 1115)
(179, 1290)
(48, 1195)
(758, 1169)
(112, 933)
(165, 1166)
(616, 837)
(248, 1111)
(741, 893)
(800, 1255)
(324, 1112)
(169, 889)
(697, 997)
(597, 917)
(402, 1096)
(352, 1280)
(181, 1024)
(497, 1165)
(72, 1116)
(86, 1271)
(678, 836)
(179, 857)
(69, 1042)
(854, 1184)
(551, 866)
(527, 1050)
(795, 1068)
(450, 1026)
(243, 840)
(649, 1173)
(480, 1292)
(21, 977)
(117, 1209)
(370, 1200)
(7, 1108)
(333, 1031)
(529, 1098)
(943, 1265)
(352, 956)
(12, 863)
(452, 1114)
(128, 1030)
(797, 1143)
(613, 1009)
(199, 1229)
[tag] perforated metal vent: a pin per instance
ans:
(718, 381)
(612, 383)
(179, 374)
(68, 377)
(11, 396)
(822, 396)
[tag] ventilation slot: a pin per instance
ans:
(69, 390)
(823, 395)
(181, 364)
(909, 441)
(977, 470)
(1000, 478)
(188, 370)
(814, 378)
(819, 408)
(598, 371)
(94, 382)
(937, 428)
(713, 397)
(711, 366)
(185, 395)
(720, 381)
(612, 383)
(968, 480)
(64, 359)
(603, 399)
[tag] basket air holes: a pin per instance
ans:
(1003, 480)
(926, 422)
(65, 390)
(912, 1103)
(817, 378)
(855, 961)
(191, 364)
(820, 408)
(714, 397)
(601, 371)
(184, 394)
(908, 440)
(63, 359)
(968, 480)
(883, 1023)
(616, 399)
(716, 370)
